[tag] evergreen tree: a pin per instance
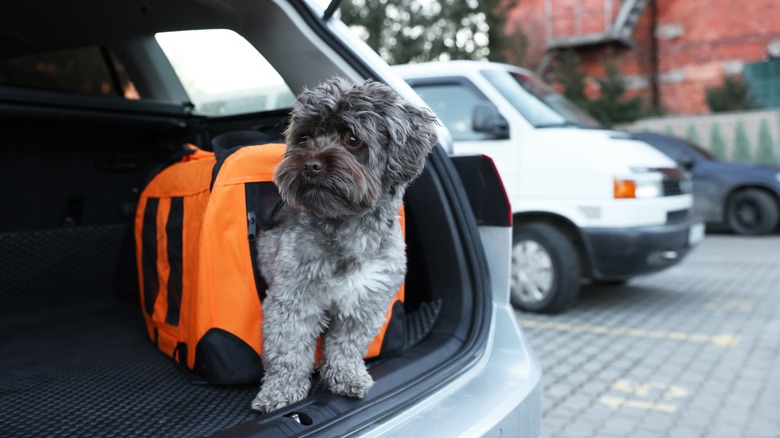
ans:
(766, 145)
(612, 106)
(717, 144)
(741, 144)
(515, 48)
(570, 75)
(403, 31)
(693, 135)
(733, 95)
(498, 42)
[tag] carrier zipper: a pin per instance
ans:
(251, 218)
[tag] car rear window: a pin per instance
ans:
(85, 70)
(223, 74)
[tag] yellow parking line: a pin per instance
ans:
(731, 305)
(616, 403)
(640, 396)
(724, 340)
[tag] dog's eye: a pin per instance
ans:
(351, 141)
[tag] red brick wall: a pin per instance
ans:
(697, 41)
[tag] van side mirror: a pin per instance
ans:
(686, 161)
(486, 119)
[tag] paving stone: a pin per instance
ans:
(760, 428)
(696, 419)
(619, 426)
(684, 432)
(642, 433)
(657, 422)
(584, 429)
(725, 432)
(577, 402)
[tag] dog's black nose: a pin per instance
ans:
(312, 167)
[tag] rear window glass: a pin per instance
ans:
(84, 70)
(454, 104)
(223, 74)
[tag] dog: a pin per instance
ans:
(335, 256)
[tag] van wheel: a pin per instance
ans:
(545, 269)
(752, 212)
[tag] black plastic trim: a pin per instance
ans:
(485, 190)
(621, 253)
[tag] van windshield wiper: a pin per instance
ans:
(557, 125)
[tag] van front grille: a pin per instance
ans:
(675, 182)
(673, 187)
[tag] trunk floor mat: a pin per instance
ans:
(95, 373)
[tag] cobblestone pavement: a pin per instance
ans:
(693, 351)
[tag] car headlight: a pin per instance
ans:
(777, 176)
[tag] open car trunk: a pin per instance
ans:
(75, 359)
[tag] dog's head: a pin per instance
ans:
(350, 145)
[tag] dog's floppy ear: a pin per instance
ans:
(412, 131)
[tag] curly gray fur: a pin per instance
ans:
(336, 257)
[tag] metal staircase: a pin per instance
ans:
(628, 16)
(617, 28)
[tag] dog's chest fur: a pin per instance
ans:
(333, 262)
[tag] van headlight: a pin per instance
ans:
(637, 188)
(644, 183)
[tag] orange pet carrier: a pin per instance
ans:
(201, 292)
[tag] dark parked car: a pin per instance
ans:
(744, 197)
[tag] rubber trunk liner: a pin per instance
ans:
(95, 373)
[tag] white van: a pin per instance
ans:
(587, 202)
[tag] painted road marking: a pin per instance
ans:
(616, 403)
(646, 389)
(731, 305)
(724, 340)
(641, 392)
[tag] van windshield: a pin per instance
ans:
(539, 103)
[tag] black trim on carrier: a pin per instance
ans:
(149, 255)
(173, 231)
(223, 357)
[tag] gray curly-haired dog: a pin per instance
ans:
(336, 258)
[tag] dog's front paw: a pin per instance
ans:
(265, 403)
(274, 396)
(353, 381)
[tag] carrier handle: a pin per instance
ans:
(225, 144)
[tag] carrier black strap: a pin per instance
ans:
(149, 255)
(173, 231)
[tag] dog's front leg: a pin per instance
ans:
(345, 343)
(289, 343)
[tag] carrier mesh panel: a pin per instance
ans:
(97, 374)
